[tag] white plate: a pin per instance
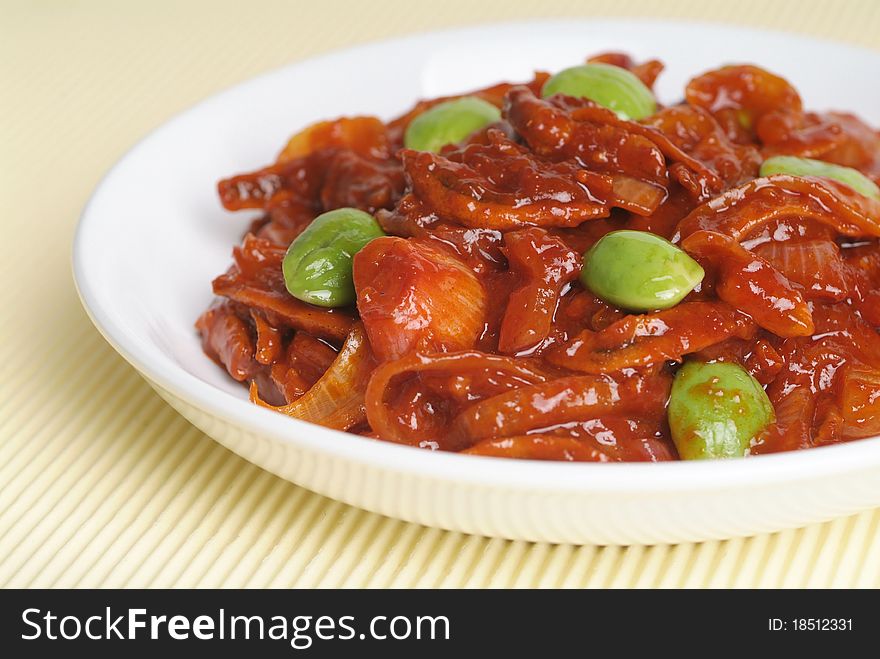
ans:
(154, 236)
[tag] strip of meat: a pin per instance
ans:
(576, 398)
(748, 283)
(501, 186)
(740, 212)
(544, 265)
(651, 339)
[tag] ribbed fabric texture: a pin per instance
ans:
(102, 484)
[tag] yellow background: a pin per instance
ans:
(101, 483)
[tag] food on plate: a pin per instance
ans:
(567, 269)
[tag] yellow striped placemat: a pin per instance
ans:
(101, 483)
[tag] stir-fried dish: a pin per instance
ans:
(567, 269)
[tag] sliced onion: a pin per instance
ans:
(337, 399)
(817, 265)
(860, 402)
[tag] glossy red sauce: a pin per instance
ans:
(471, 330)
